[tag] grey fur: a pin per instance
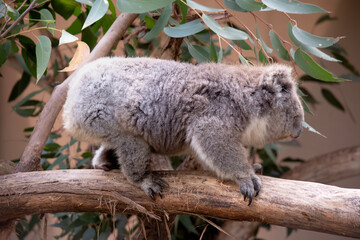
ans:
(136, 106)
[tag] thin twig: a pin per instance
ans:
(18, 20)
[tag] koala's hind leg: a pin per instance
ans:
(217, 146)
(106, 159)
(135, 158)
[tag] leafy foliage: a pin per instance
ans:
(197, 33)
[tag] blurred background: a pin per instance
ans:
(341, 128)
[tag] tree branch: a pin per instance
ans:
(30, 160)
(290, 203)
(327, 168)
(4, 34)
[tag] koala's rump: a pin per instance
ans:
(114, 97)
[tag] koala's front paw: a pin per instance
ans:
(153, 184)
(249, 186)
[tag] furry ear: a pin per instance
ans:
(277, 78)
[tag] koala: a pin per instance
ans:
(134, 107)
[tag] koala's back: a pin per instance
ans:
(141, 96)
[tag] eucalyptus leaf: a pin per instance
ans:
(196, 5)
(64, 7)
(20, 86)
(309, 66)
(325, 17)
(267, 49)
(312, 40)
(3, 54)
(48, 20)
(97, 11)
(141, 6)
(197, 52)
(329, 96)
(244, 45)
(43, 51)
(67, 38)
(243, 60)
(234, 6)
(58, 161)
(226, 32)
(293, 6)
(311, 129)
(184, 30)
(251, 5)
(212, 54)
(278, 47)
(311, 50)
(263, 59)
(160, 24)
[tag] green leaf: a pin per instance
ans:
(278, 47)
(29, 62)
(309, 66)
(198, 52)
(311, 50)
(141, 6)
(325, 17)
(263, 59)
(293, 6)
(186, 222)
(196, 5)
(220, 55)
(250, 5)
(267, 49)
(19, 86)
(47, 20)
(149, 22)
(312, 40)
(311, 129)
(212, 55)
(184, 9)
(51, 147)
(97, 11)
(332, 99)
(243, 60)
(58, 161)
(184, 30)
(86, 2)
(159, 25)
(234, 6)
(226, 32)
(244, 45)
(130, 51)
(67, 38)
(63, 7)
(305, 106)
(3, 54)
(43, 50)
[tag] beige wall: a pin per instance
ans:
(341, 130)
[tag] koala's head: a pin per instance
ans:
(279, 110)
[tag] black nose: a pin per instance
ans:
(297, 133)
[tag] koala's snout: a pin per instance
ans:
(297, 127)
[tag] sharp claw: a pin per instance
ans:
(257, 192)
(163, 182)
(250, 200)
(160, 195)
(244, 197)
(151, 195)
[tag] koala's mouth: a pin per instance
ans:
(286, 139)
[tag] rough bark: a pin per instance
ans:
(30, 160)
(296, 204)
(327, 168)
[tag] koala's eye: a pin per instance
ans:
(285, 87)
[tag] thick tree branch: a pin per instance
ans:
(327, 168)
(290, 203)
(30, 160)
